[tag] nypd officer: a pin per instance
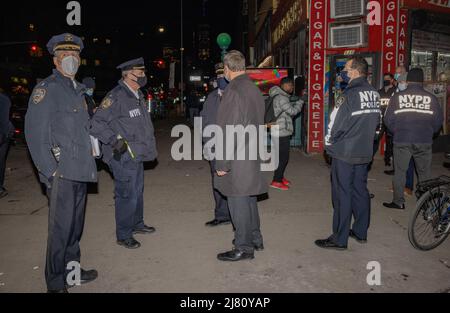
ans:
(413, 116)
(56, 129)
(123, 124)
(349, 142)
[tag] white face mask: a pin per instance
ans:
(70, 65)
(402, 86)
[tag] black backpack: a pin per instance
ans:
(269, 116)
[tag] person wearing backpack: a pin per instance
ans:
(284, 107)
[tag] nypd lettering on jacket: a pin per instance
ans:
(370, 103)
(414, 103)
(353, 123)
(414, 116)
(135, 113)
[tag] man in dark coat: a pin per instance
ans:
(209, 117)
(240, 178)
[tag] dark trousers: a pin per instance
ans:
(221, 211)
(129, 197)
(389, 153)
(245, 218)
(350, 197)
(65, 227)
(3, 152)
(284, 148)
(422, 155)
(410, 175)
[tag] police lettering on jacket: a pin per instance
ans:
(414, 116)
(353, 123)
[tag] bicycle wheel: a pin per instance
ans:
(429, 224)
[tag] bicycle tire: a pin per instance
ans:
(416, 213)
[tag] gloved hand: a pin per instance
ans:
(119, 148)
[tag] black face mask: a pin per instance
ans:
(386, 83)
(141, 81)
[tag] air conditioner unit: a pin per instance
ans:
(347, 8)
(350, 35)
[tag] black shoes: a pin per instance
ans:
(329, 244)
(390, 172)
(216, 222)
(393, 205)
(88, 276)
(130, 243)
(257, 247)
(235, 255)
(360, 240)
(3, 193)
(146, 230)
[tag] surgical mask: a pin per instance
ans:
(223, 83)
(215, 85)
(70, 65)
(141, 81)
(402, 86)
(90, 92)
(345, 77)
(397, 76)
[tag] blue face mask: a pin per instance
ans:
(397, 76)
(344, 76)
(90, 92)
(223, 83)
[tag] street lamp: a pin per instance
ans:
(224, 41)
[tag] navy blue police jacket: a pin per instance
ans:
(353, 123)
(57, 117)
(414, 116)
(122, 114)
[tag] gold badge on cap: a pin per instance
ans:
(38, 95)
(68, 37)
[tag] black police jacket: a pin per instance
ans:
(57, 118)
(122, 114)
(353, 123)
(414, 115)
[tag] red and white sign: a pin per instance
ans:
(316, 78)
(402, 37)
(390, 14)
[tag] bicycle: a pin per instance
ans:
(429, 224)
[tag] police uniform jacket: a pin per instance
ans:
(57, 117)
(353, 123)
(414, 115)
(122, 114)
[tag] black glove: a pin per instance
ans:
(119, 148)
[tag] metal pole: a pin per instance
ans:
(182, 60)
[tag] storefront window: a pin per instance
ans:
(443, 64)
(423, 60)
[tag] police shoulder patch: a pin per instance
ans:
(106, 103)
(340, 101)
(38, 95)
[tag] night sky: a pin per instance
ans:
(124, 20)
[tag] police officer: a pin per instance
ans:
(413, 116)
(123, 124)
(349, 142)
(6, 131)
(386, 93)
(56, 130)
(209, 117)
